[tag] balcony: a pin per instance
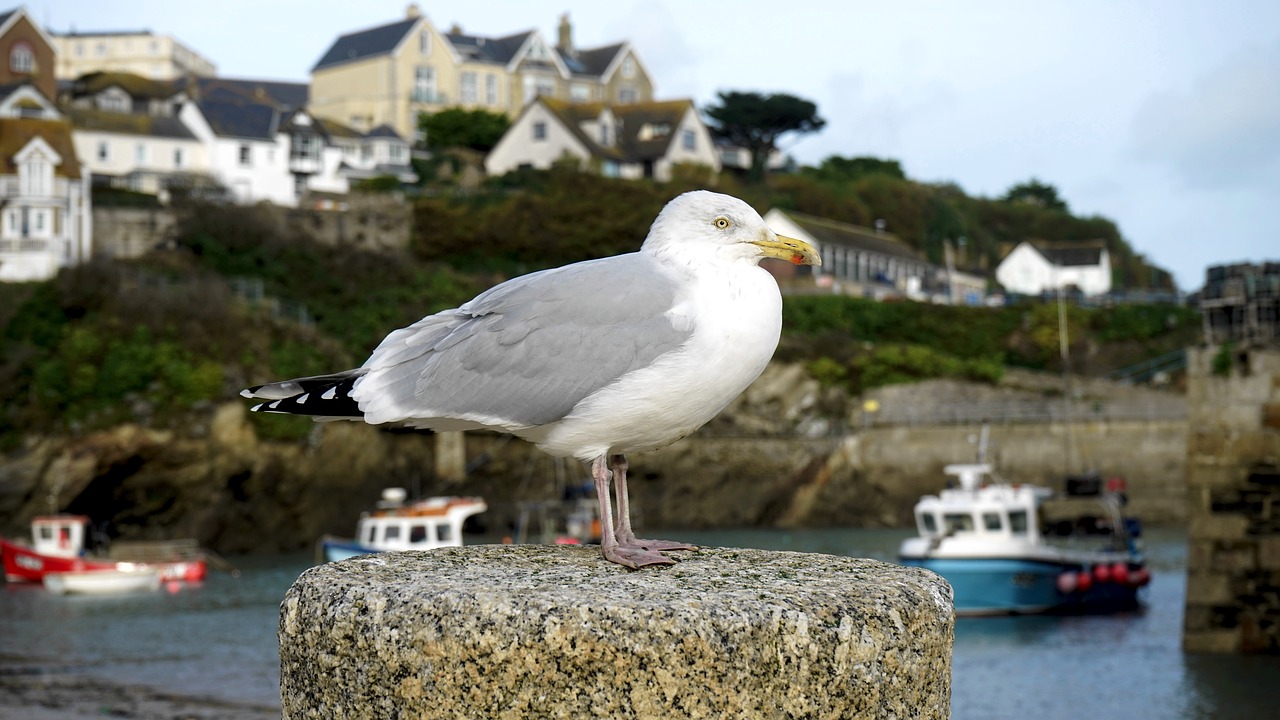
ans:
(428, 97)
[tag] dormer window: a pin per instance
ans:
(629, 67)
(22, 59)
(424, 42)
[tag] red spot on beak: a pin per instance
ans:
(797, 259)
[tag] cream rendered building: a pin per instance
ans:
(159, 57)
(391, 73)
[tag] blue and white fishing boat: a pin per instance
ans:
(1010, 548)
(428, 524)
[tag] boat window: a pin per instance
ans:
(991, 521)
(370, 535)
(958, 522)
(46, 532)
(930, 524)
(417, 533)
(391, 533)
(1018, 522)
(444, 533)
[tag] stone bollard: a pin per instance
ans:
(538, 631)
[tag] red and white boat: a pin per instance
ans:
(57, 546)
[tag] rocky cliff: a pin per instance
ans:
(782, 455)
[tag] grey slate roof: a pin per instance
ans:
(495, 50)
(1081, 254)
(596, 61)
(276, 92)
(365, 43)
(239, 119)
(832, 232)
(384, 131)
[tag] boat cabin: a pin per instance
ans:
(975, 509)
(59, 535)
(425, 525)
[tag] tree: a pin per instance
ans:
(837, 169)
(1034, 192)
(477, 129)
(756, 122)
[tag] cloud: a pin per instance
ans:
(1223, 132)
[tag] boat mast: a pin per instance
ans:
(1063, 345)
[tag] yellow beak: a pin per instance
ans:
(790, 249)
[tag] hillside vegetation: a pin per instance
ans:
(152, 340)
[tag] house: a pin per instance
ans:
(390, 74)
(254, 137)
(1035, 267)
(857, 260)
(636, 140)
(45, 206)
(139, 52)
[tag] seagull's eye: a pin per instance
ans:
(722, 222)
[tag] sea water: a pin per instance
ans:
(217, 639)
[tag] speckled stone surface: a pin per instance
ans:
(533, 631)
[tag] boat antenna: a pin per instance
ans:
(1063, 345)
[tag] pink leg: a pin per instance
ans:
(630, 556)
(627, 538)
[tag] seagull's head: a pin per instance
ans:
(704, 225)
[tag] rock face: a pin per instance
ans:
(499, 631)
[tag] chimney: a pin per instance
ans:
(413, 12)
(565, 39)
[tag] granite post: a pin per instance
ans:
(535, 631)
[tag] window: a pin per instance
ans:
(604, 135)
(958, 522)
(392, 533)
(929, 522)
(689, 139)
(177, 157)
(629, 67)
(396, 153)
(246, 156)
(579, 92)
(140, 154)
(468, 91)
(35, 176)
(1018, 522)
(424, 43)
(991, 521)
(371, 535)
(491, 89)
(626, 94)
(424, 84)
(104, 150)
(417, 533)
(22, 59)
(539, 131)
(79, 49)
(444, 533)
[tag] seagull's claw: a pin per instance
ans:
(635, 557)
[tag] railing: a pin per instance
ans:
(1015, 412)
(1144, 371)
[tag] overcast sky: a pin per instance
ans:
(1162, 115)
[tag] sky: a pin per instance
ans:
(1161, 115)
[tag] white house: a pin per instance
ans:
(45, 211)
(1033, 268)
(138, 152)
(637, 140)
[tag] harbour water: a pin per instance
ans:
(216, 641)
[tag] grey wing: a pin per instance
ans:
(527, 351)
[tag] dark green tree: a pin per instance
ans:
(477, 129)
(756, 122)
(837, 169)
(1034, 192)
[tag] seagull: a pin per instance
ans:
(594, 360)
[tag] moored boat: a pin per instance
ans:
(58, 546)
(113, 581)
(1010, 548)
(428, 524)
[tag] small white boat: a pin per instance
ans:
(428, 524)
(103, 582)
